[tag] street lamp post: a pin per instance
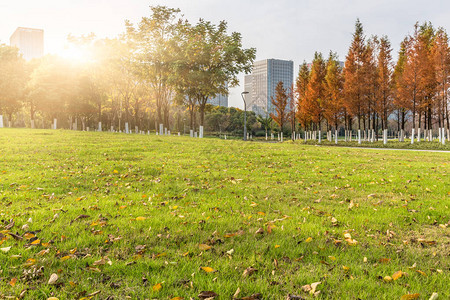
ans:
(245, 115)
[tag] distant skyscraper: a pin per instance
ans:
(261, 83)
(30, 42)
(219, 100)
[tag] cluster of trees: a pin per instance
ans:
(370, 89)
(159, 71)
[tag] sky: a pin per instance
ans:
(282, 29)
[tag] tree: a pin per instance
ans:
(384, 75)
(301, 86)
(354, 84)
(152, 42)
(315, 92)
(280, 103)
(333, 106)
(12, 80)
(266, 122)
(215, 59)
(441, 58)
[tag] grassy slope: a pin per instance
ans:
(194, 192)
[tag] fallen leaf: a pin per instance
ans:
(387, 278)
(313, 287)
(277, 246)
(177, 298)
(157, 287)
(13, 282)
(421, 272)
(410, 296)
(36, 242)
(53, 279)
(207, 294)
(208, 269)
(308, 240)
(204, 247)
(141, 218)
(434, 296)
(249, 271)
(6, 249)
(397, 275)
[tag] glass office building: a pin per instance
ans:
(261, 84)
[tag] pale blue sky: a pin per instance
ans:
(285, 29)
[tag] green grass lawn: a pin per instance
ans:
(135, 216)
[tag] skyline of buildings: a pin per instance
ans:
(29, 41)
(261, 83)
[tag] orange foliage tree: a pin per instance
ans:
(280, 102)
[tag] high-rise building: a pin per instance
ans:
(30, 42)
(219, 100)
(262, 82)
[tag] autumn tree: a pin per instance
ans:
(384, 105)
(333, 104)
(354, 84)
(441, 59)
(301, 85)
(315, 91)
(280, 103)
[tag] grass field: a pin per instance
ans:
(117, 216)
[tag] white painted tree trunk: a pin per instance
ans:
(165, 131)
(1, 121)
(281, 136)
(201, 132)
(412, 136)
(385, 136)
(336, 137)
(161, 129)
(293, 135)
(32, 124)
(320, 136)
(266, 135)
(136, 129)
(195, 134)
(55, 123)
(359, 136)
(99, 126)
(418, 134)
(191, 133)
(443, 136)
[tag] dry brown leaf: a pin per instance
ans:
(207, 294)
(249, 271)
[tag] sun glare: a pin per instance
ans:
(75, 54)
